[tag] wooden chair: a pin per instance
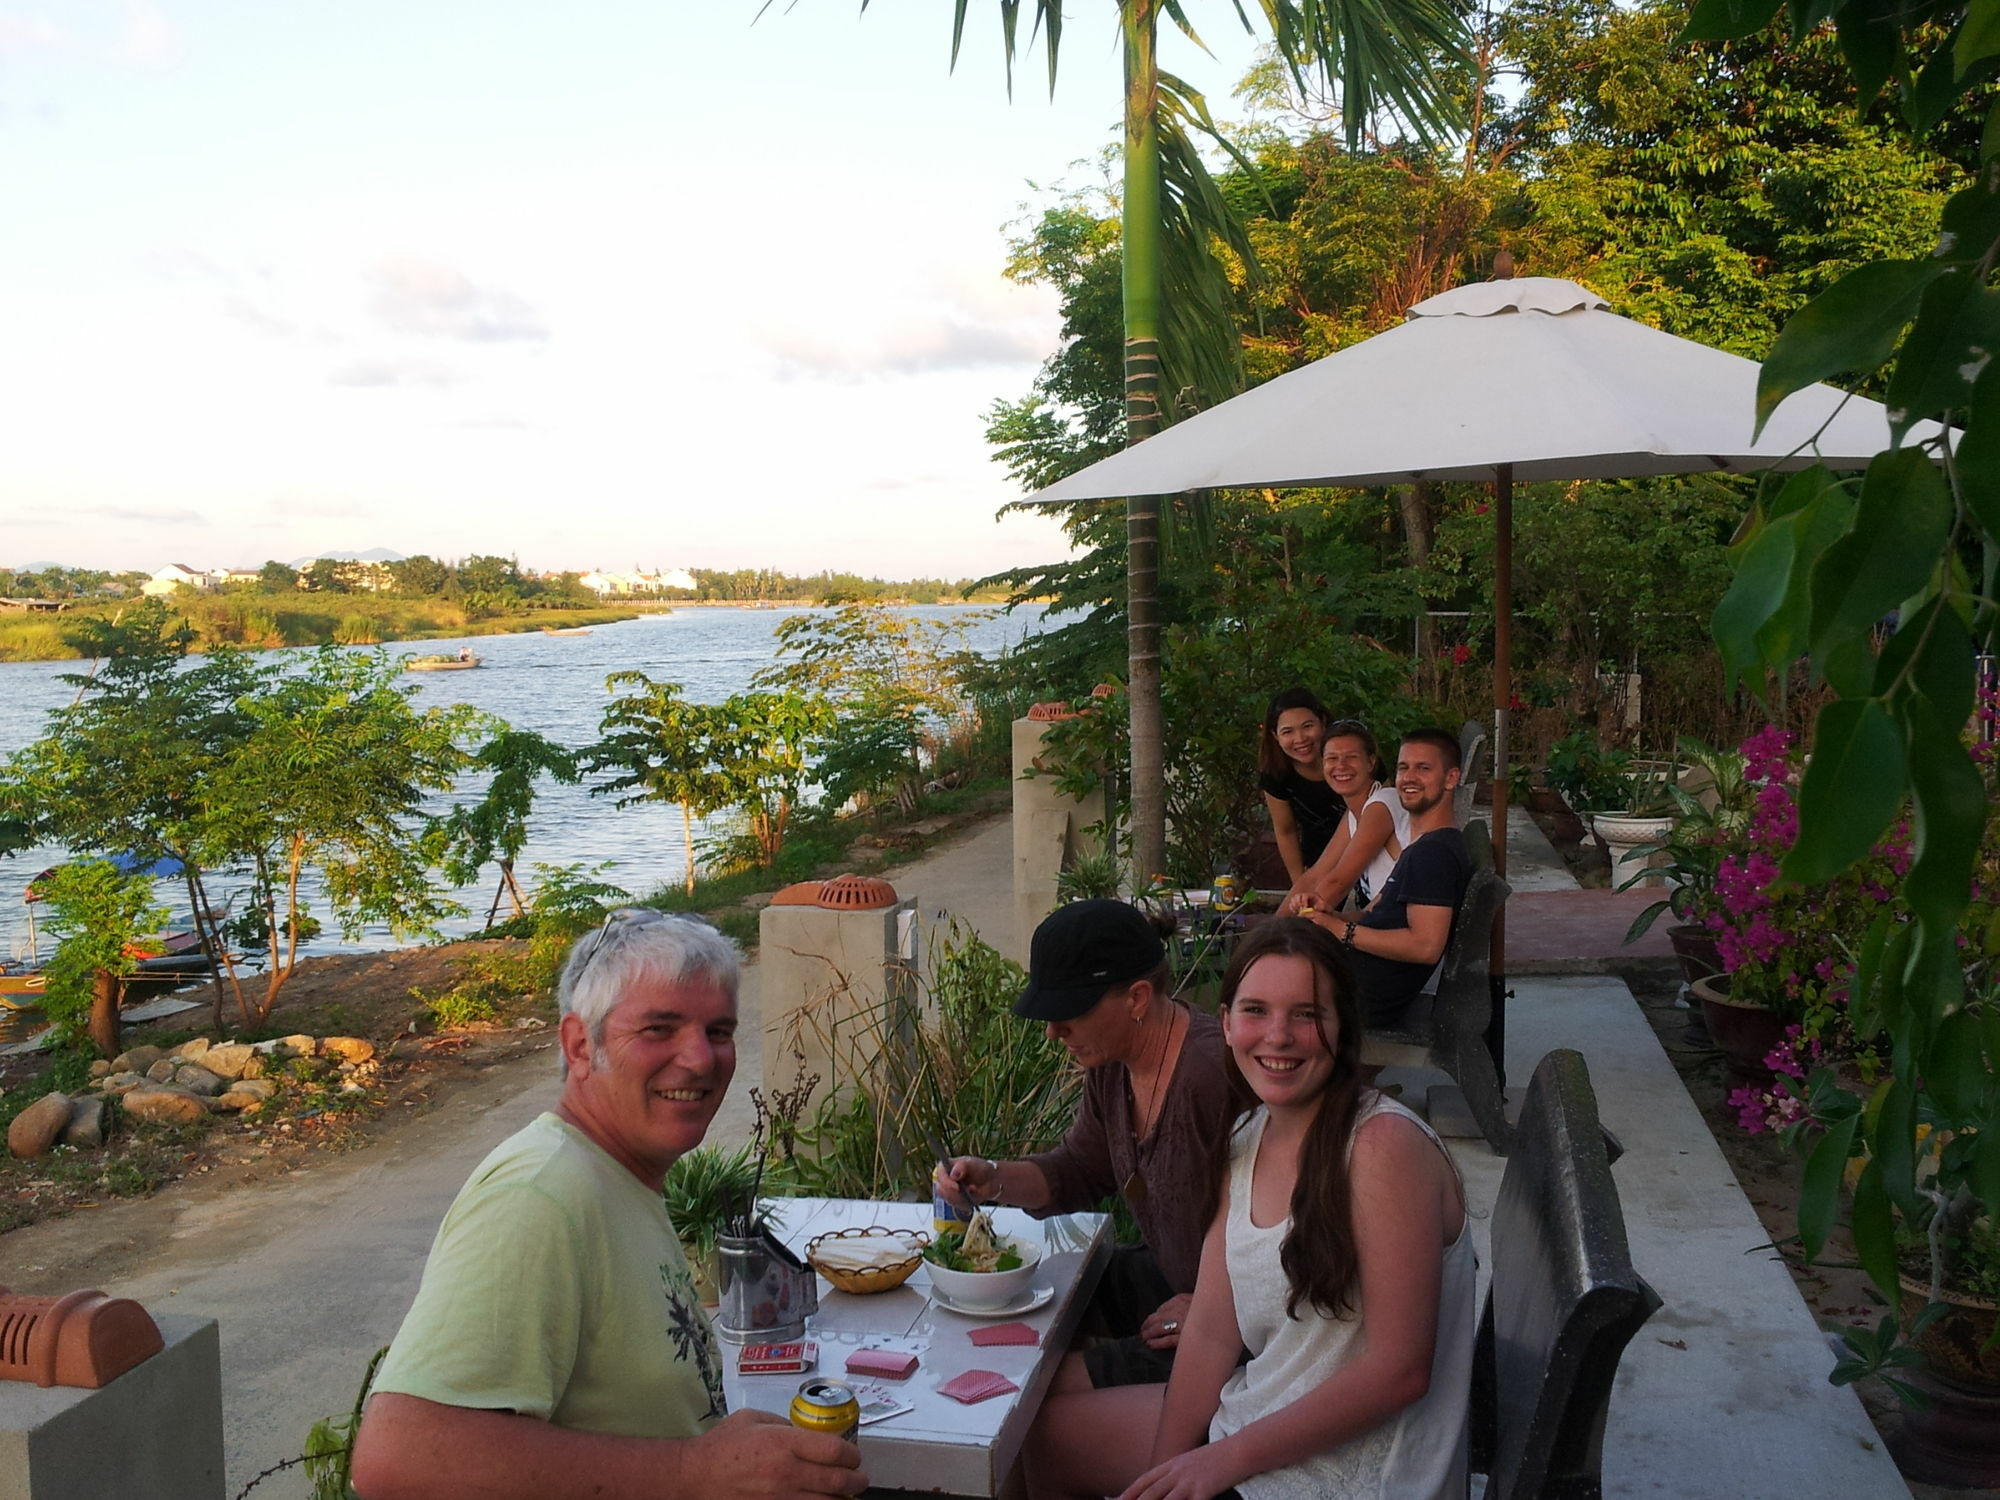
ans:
(1472, 759)
(1451, 1033)
(1563, 1303)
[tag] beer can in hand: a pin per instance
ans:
(827, 1406)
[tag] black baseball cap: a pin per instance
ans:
(1081, 951)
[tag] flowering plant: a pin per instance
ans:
(1788, 946)
(1782, 1102)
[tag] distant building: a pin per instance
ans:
(177, 576)
(609, 585)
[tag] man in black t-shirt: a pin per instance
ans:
(1394, 946)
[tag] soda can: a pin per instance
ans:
(827, 1406)
(946, 1216)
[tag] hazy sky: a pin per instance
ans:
(605, 283)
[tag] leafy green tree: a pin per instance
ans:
(97, 916)
(331, 777)
(486, 574)
(765, 747)
(1821, 565)
(126, 768)
(421, 576)
(277, 578)
(330, 575)
(661, 747)
(495, 828)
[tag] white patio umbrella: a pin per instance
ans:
(1530, 379)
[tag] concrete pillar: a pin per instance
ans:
(155, 1431)
(835, 985)
(1048, 833)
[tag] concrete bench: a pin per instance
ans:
(1563, 1302)
(1451, 1032)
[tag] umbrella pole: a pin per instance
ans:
(1503, 696)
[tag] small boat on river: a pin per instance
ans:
(571, 630)
(463, 662)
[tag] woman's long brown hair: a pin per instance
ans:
(1320, 1260)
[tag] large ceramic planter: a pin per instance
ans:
(1954, 1439)
(1744, 1032)
(1958, 1346)
(1622, 833)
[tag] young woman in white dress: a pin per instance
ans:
(1337, 1259)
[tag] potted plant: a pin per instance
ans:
(1589, 776)
(1633, 828)
(704, 1190)
(1711, 805)
(1786, 949)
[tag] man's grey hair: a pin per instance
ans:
(635, 943)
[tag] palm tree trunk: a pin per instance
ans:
(1141, 236)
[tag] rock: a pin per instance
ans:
(254, 1068)
(85, 1130)
(120, 1084)
(296, 1046)
(136, 1060)
(165, 1106)
(193, 1050)
(347, 1048)
(197, 1081)
(230, 1060)
(101, 1068)
(36, 1128)
(235, 1100)
(163, 1070)
(256, 1088)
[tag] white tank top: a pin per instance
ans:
(1383, 865)
(1417, 1454)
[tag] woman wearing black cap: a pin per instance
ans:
(1155, 1097)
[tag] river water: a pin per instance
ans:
(553, 684)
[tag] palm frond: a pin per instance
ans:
(1376, 57)
(1047, 25)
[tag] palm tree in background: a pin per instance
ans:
(1376, 57)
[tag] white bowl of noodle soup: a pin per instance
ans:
(985, 1289)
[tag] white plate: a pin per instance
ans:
(1027, 1302)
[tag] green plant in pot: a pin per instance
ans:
(704, 1189)
(1591, 777)
(1711, 809)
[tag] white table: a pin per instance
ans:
(943, 1446)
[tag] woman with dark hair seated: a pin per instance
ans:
(1305, 811)
(1337, 1256)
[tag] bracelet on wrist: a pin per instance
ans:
(1347, 940)
(992, 1180)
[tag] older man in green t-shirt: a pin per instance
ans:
(556, 1346)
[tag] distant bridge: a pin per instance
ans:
(36, 606)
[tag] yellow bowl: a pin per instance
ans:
(873, 1278)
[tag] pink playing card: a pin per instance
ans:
(887, 1363)
(976, 1385)
(1005, 1333)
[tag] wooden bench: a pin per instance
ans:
(1451, 1033)
(1563, 1303)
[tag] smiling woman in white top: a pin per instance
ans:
(1363, 850)
(1337, 1257)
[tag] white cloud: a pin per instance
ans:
(425, 299)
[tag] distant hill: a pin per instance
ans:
(373, 554)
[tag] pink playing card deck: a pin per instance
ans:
(977, 1385)
(1005, 1333)
(889, 1364)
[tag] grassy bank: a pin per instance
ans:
(300, 619)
